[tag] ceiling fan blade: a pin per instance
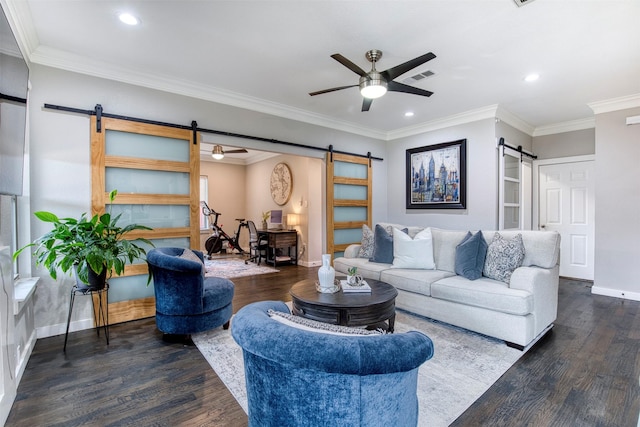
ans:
(350, 65)
(333, 89)
(366, 104)
(240, 150)
(398, 70)
(400, 87)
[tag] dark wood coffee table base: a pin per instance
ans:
(350, 309)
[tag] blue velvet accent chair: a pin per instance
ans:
(186, 301)
(297, 377)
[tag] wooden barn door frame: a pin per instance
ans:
(332, 202)
(144, 307)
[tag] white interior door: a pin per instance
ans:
(566, 205)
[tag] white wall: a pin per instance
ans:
(617, 205)
(59, 145)
(565, 144)
(307, 177)
(482, 178)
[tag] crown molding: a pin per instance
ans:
(514, 121)
(488, 112)
(570, 126)
(19, 16)
(615, 104)
(67, 61)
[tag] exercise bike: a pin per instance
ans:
(214, 243)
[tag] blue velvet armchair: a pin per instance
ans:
(186, 301)
(296, 377)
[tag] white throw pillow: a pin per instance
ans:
(413, 253)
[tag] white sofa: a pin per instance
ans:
(518, 312)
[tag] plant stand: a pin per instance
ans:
(100, 317)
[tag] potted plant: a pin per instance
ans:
(265, 217)
(93, 248)
(353, 278)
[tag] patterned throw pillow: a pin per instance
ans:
(503, 257)
(366, 247)
(315, 326)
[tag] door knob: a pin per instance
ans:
(542, 226)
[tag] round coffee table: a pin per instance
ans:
(346, 309)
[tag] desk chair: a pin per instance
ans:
(257, 246)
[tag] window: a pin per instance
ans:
(204, 197)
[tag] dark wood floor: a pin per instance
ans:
(584, 373)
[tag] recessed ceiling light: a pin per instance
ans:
(532, 77)
(408, 114)
(128, 19)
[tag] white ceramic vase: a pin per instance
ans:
(326, 273)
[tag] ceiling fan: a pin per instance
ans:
(376, 83)
(218, 153)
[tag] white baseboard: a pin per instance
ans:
(60, 328)
(24, 357)
(310, 263)
(616, 293)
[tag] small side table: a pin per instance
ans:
(101, 317)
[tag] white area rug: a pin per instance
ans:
(463, 367)
(229, 268)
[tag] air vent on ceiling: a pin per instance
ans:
(522, 2)
(418, 77)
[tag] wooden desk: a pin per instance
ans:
(279, 241)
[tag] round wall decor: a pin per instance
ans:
(281, 183)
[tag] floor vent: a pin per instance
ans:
(522, 2)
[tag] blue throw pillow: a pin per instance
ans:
(383, 245)
(470, 256)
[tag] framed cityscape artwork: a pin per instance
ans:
(437, 176)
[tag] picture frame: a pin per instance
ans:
(425, 166)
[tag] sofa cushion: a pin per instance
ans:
(503, 257)
(541, 248)
(470, 256)
(484, 293)
(383, 245)
(444, 248)
(367, 269)
(366, 246)
(416, 281)
(413, 253)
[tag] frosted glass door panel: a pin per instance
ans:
(511, 167)
(353, 192)
(347, 235)
(154, 216)
(511, 218)
(146, 181)
(511, 192)
(344, 214)
(129, 288)
(350, 170)
(129, 144)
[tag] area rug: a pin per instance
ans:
(234, 267)
(464, 366)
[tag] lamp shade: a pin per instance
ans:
(293, 219)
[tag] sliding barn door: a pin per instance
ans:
(348, 200)
(156, 171)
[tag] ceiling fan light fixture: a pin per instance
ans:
(217, 152)
(373, 86)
